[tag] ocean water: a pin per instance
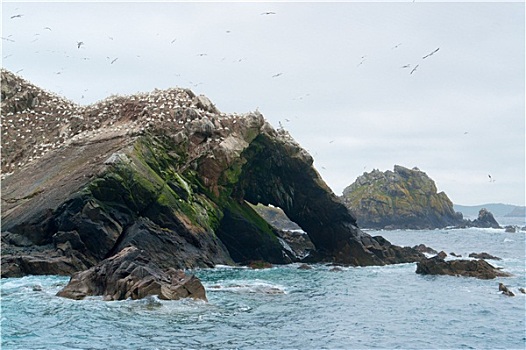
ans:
(389, 307)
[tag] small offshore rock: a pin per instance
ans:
(522, 290)
(484, 255)
(505, 290)
(455, 255)
(468, 268)
(510, 229)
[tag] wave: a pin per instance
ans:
(255, 286)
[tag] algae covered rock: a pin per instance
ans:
(400, 199)
(169, 174)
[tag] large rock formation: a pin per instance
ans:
(400, 199)
(405, 199)
(164, 172)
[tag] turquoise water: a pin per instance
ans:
(286, 308)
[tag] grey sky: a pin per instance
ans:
(342, 93)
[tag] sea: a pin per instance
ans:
(378, 307)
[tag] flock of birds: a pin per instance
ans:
(38, 121)
(14, 132)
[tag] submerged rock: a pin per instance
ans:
(468, 268)
(130, 274)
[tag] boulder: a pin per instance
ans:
(484, 256)
(129, 274)
(468, 268)
(505, 290)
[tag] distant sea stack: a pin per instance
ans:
(400, 199)
(164, 172)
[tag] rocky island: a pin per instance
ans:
(405, 199)
(126, 191)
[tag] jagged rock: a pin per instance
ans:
(422, 248)
(468, 268)
(522, 290)
(505, 290)
(511, 229)
(129, 274)
(400, 199)
(483, 255)
(441, 255)
(455, 255)
(299, 242)
(485, 220)
(166, 172)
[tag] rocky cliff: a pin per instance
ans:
(400, 199)
(165, 172)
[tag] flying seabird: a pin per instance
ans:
(430, 54)
(362, 60)
(490, 178)
(414, 69)
(7, 39)
(79, 44)
(114, 60)
(173, 41)
(396, 46)
(406, 66)
(269, 13)
(16, 16)
(277, 75)
(47, 28)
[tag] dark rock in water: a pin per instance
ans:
(484, 255)
(468, 268)
(485, 220)
(305, 267)
(129, 274)
(336, 269)
(505, 290)
(522, 290)
(400, 199)
(257, 265)
(422, 248)
(511, 229)
(455, 255)
(166, 172)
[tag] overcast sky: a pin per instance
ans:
(331, 73)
